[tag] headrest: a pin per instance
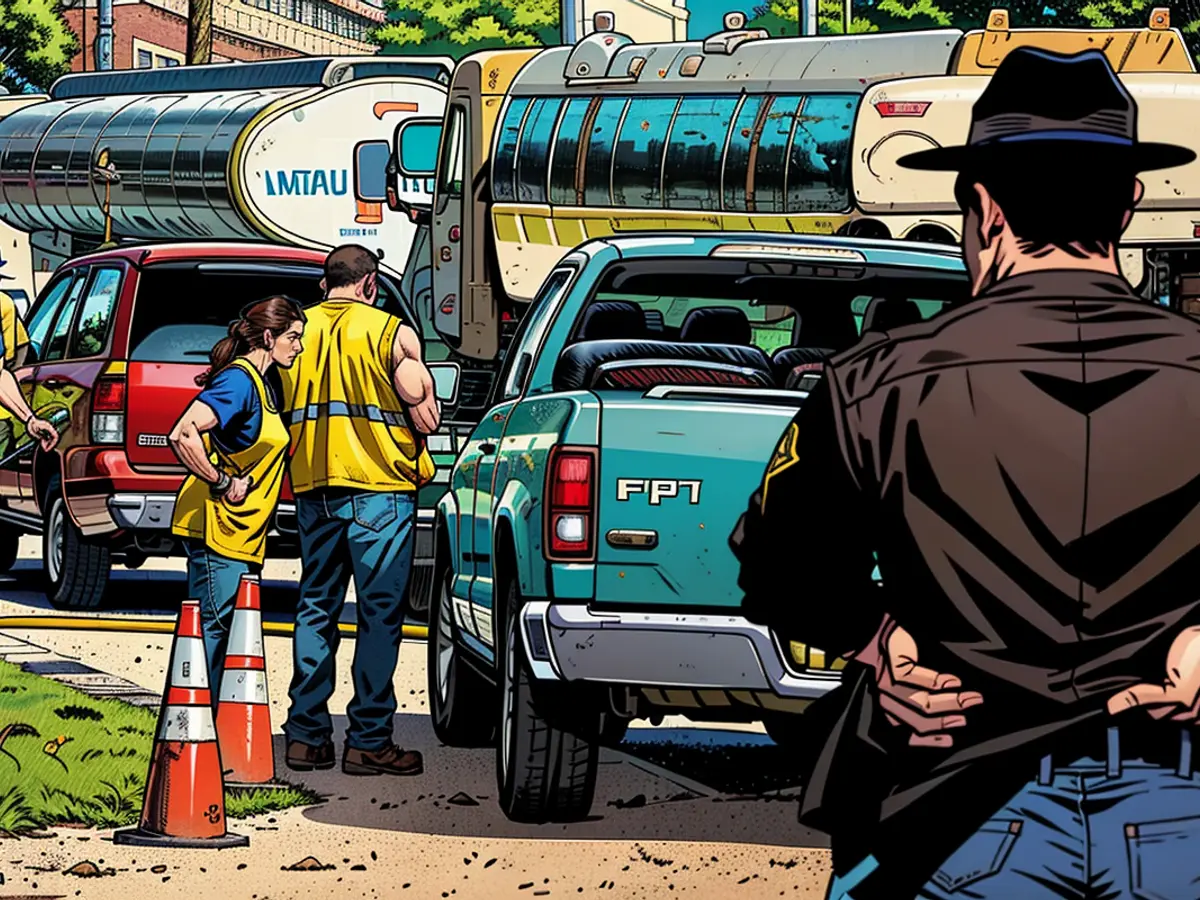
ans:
(716, 325)
(886, 313)
(612, 320)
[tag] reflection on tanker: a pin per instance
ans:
(172, 155)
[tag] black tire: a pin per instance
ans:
(10, 544)
(544, 773)
(76, 569)
(460, 699)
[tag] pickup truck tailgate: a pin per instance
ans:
(675, 474)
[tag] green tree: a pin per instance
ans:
(36, 44)
(458, 27)
(780, 17)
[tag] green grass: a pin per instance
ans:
(243, 802)
(97, 775)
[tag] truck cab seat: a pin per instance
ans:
(886, 313)
(790, 363)
(579, 366)
(716, 325)
(612, 320)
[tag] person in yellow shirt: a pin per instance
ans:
(233, 441)
(358, 401)
(14, 341)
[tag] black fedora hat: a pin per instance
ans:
(1055, 103)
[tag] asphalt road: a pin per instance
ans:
(682, 808)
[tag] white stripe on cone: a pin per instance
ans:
(245, 633)
(187, 724)
(244, 686)
(189, 666)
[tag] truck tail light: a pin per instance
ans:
(108, 410)
(571, 503)
(894, 108)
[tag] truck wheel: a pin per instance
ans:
(76, 569)
(460, 700)
(10, 543)
(544, 774)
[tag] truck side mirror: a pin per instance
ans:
(445, 381)
(371, 160)
(417, 147)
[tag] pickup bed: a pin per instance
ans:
(583, 576)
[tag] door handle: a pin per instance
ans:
(54, 382)
(487, 448)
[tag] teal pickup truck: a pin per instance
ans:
(582, 572)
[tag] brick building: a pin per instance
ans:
(153, 33)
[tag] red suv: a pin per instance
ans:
(116, 341)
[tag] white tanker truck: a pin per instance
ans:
(289, 151)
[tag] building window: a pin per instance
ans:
(154, 56)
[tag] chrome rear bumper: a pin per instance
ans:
(566, 642)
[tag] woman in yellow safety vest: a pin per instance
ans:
(234, 442)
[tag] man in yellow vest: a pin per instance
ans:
(14, 341)
(355, 401)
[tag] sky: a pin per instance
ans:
(707, 15)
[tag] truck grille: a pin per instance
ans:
(474, 389)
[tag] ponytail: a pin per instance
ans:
(225, 351)
(275, 314)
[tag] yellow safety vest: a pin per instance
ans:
(238, 532)
(14, 336)
(347, 424)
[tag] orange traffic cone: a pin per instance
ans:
(243, 713)
(185, 794)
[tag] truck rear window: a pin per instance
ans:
(727, 302)
(183, 309)
(738, 322)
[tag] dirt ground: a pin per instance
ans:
(438, 835)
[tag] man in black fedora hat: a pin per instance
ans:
(1016, 718)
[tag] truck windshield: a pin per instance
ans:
(183, 309)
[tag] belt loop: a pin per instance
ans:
(1113, 764)
(1045, 769)
(1185, 752)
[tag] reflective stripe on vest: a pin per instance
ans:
(371, 413)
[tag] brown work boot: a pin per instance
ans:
(391, 760)
(305, 757)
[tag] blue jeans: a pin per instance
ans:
(213, 580)
(367, 534)
(1092, 830)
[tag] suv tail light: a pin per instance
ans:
(571, 503)
(108, 410)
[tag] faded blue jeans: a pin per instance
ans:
(1091, 830)
(370, 535)
(213, 580)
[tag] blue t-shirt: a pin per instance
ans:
(234, 399)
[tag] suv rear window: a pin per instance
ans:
(183, 309)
